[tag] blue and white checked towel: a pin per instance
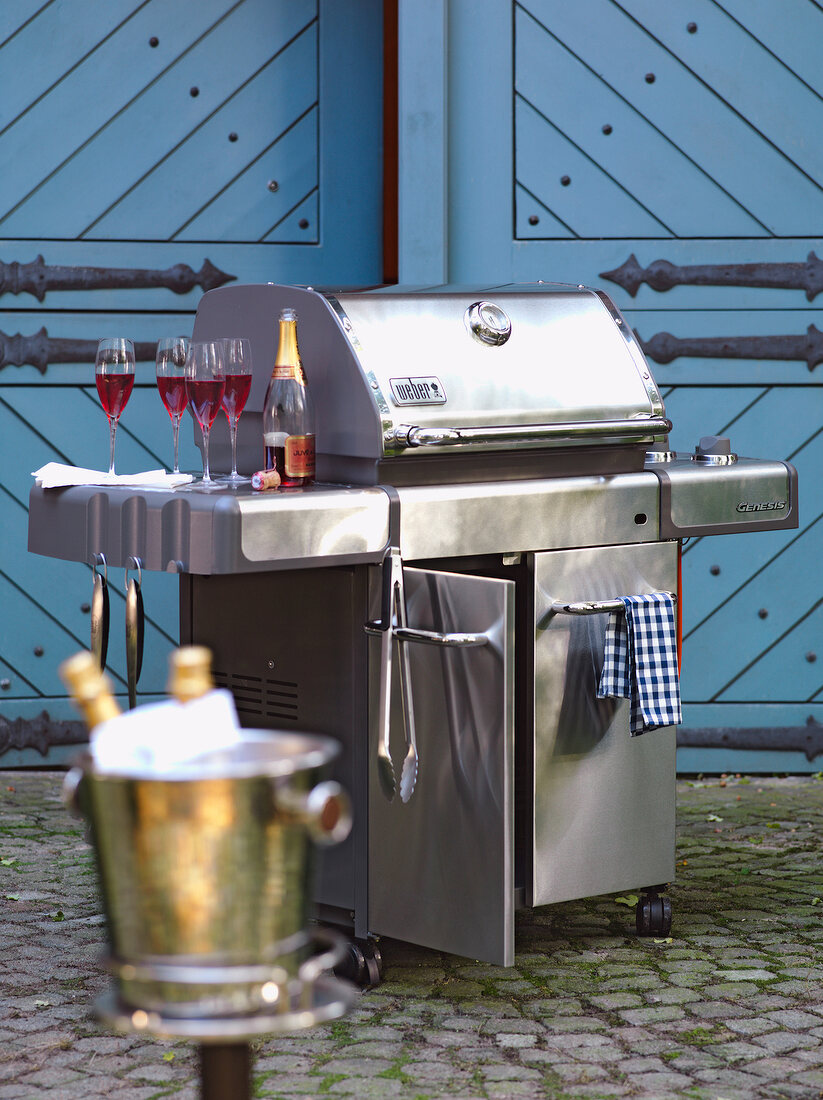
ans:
(640, 661)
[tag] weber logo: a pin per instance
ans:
(762, 506)
(426, 390)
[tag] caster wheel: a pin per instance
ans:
(363, 964)
(653, 915)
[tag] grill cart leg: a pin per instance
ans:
(225, 1071)
(653, 914)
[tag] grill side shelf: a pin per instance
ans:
(191, 531)
(749, 495)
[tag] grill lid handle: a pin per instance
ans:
(633, 429)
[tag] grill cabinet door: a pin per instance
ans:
(441, 865)
(604, 801)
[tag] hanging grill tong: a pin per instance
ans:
(99, 642)
(135, 627)
(393, 624)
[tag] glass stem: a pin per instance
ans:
(112, 430)
(233, 432)
(206, 474)
(176, 429)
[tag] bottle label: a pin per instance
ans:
(293, 372)
(299, 456)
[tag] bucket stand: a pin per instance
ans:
(225, 1071)
(225, 1061)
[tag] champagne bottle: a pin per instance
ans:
(190, 673)
(90, 688)
(288, 413)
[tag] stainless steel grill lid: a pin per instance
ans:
(397, 372)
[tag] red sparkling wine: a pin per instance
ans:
(205, 397)
(115, 391)
(173, 393)
(236, 395)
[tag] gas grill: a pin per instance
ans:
(493, 475)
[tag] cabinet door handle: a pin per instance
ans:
(430, 637)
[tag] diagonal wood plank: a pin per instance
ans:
(791, 670)
(26, 632)
(696, 411)
(77, 426)
(13, 686)
(71, 114)
(794, 37)
(49, 46)
(757, 86)
(13, 18)
(736, 634)
(247, 207)
(299, 225)
(577, 101)
(189, 177)
(579, 205)
(131, 143)
(533, 220)
(741, 557)
(771, 189)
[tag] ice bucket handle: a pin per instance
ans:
(325, 810)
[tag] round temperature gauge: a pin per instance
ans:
(488, 323)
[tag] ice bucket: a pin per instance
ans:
(206, 872)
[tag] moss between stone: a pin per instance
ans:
(396, 1072)
(330, 1079)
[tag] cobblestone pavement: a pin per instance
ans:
(730, 1007)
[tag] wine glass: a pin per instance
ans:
(114, 375)
(237, 352)
(205, 383)
(171, 382)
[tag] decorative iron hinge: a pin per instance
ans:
(662, 275)
(807, 739)
(663, 347)
(38, 278)
(41, 349)
(39, 733)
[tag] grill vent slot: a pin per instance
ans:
(257, 698)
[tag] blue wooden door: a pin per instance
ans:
(173, 145)
(584, 141)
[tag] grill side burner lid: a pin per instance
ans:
(399, 374)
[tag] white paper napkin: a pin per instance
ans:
(55, 475)
(159, 737)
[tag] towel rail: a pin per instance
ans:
(596, 607)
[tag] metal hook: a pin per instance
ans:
(100, 559)
(131, 564)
